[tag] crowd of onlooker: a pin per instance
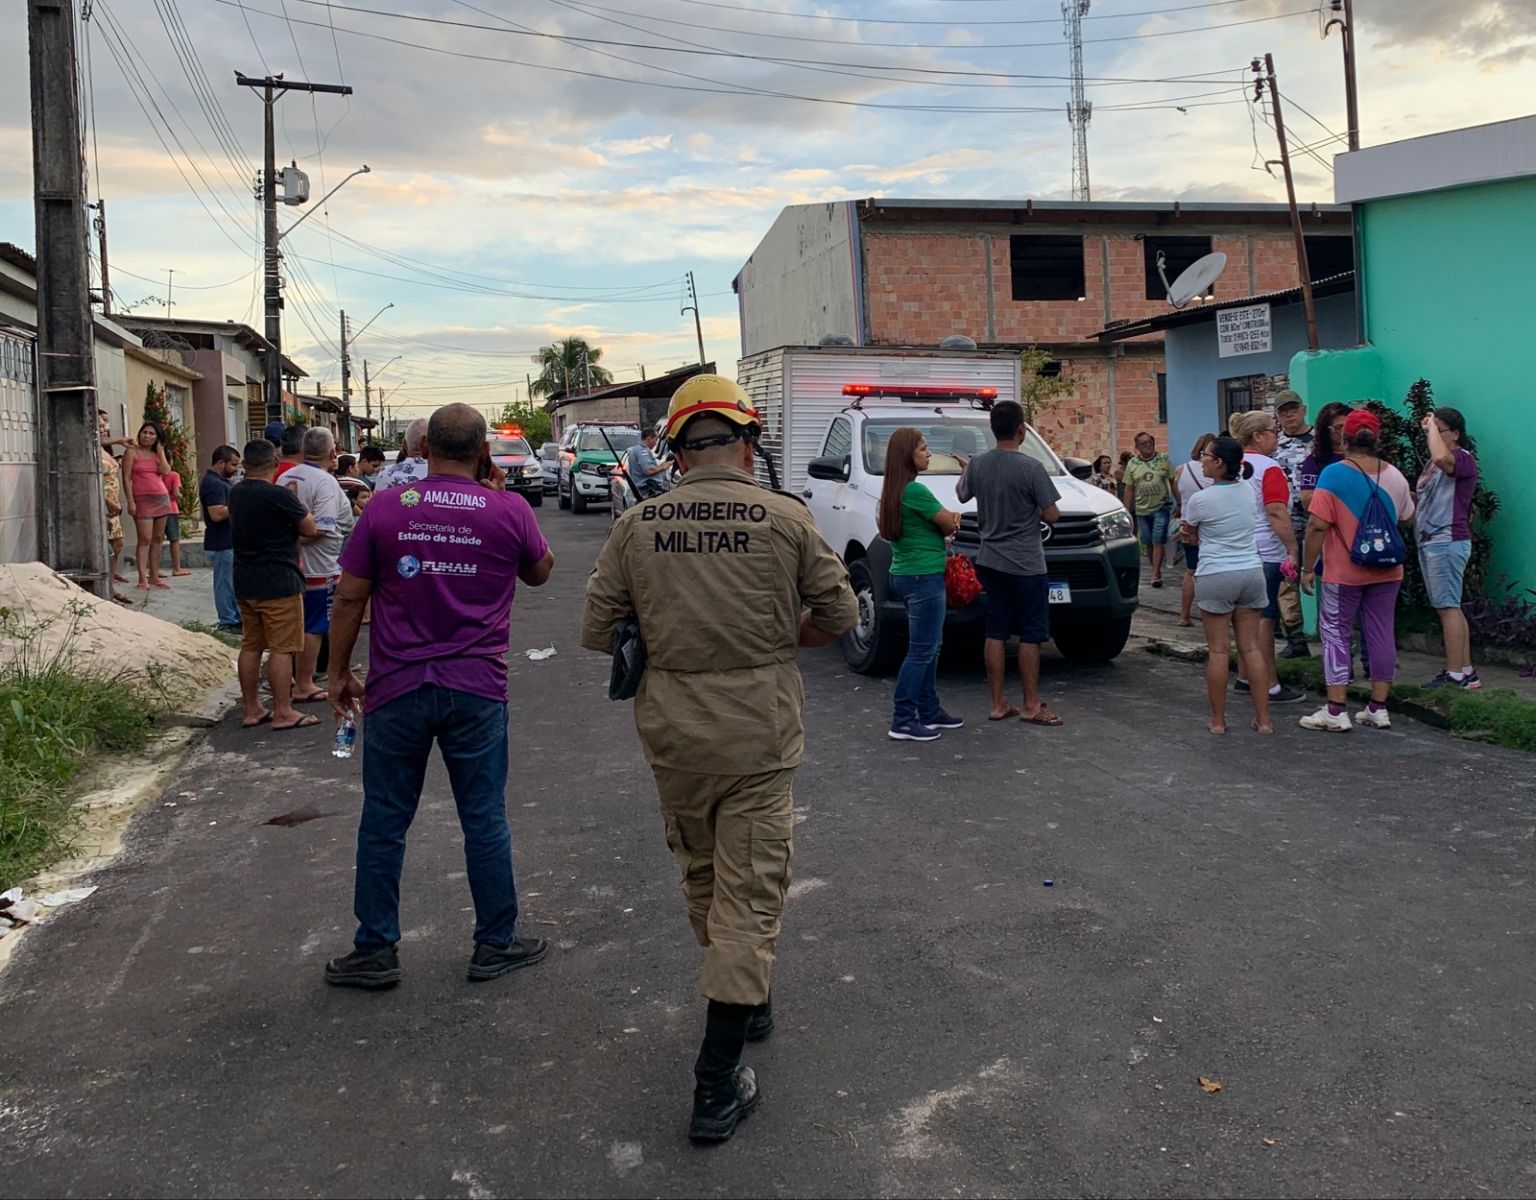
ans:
(1323, 513)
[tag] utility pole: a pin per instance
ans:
(1290, 195)
(1346, 24)
(1079, 110)
(273, 87)
(698, 329)
(346, 371)
(71, 502)
(101, 241)
(367, 397)
(170, 279)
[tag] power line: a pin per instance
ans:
(792, 37)
(522, 31)
(708, 90)
(183, 287)
(779, 12)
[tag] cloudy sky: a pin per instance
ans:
(543, 167)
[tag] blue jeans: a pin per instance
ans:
(1154, 526)
(224, 589)
(471, 734)
(1444, 566)
(917, 694)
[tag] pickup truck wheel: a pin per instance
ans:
(563, 500)
(1090, 640)
(578, 502)
(876, 644)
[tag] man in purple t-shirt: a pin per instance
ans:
(440, 558)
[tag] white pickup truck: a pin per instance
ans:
(828, 413)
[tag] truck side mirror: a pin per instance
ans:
(832, 467)
(1078, 468)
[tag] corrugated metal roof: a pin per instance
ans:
(1332, 285)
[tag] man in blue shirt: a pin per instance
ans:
(647, 472)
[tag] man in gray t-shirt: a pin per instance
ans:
(1013, 495)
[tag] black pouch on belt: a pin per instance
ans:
(628, 660)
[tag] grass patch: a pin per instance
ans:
(224, 635)
(55, 714)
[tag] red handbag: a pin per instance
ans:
(960, 583)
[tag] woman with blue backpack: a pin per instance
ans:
(1355, 515)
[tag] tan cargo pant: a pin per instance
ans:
(731, 835)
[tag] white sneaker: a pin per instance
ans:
(1326, 721)
(1376, 720)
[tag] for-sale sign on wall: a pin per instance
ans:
(1243, 330)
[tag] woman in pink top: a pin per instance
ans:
(145, 467)
(1344, 492)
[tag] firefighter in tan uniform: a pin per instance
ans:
(726, 579)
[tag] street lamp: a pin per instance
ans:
(362, 170)
(371, 320)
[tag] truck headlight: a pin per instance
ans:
(1116, 525)
(532, 469)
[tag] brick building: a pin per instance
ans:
(1014, 274)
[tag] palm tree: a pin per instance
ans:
(569, 365)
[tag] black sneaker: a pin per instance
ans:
(492, 962)
(760, 1023)
(1286, 695)
(365, 969)
(1296, 648)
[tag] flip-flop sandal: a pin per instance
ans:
(314, 697)
(307, 721)
(182, 572)
(1157, 583)
(1011, 712)
(1254, 725)
(262, 720)
(1044, 717)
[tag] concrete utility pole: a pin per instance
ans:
(101, 239)
(698, 329)
(1290, 195)
(367, 397)
(1346, 24)
(71, 502)
(346, 371)
(273, 87)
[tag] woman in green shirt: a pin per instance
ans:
(915, 524)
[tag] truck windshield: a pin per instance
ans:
(622, 439)
(946, 437)
(502, 447)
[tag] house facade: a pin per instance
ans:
(19, 400)
(227, 401)
(1015, 274)
(1232, 356)
(1447, 249)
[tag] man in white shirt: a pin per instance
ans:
(413, 467)
(316, 488)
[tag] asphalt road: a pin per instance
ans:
(1339, 931)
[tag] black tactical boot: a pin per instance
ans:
(760, 1023)
(724, 1091)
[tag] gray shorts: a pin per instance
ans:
(1222, 591)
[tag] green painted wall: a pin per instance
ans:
(1450, 294)
(1349, 376)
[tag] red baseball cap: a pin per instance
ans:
(1362, 418)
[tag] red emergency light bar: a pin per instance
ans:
(913, 392)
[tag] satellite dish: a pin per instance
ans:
(1194, 281)
(957, 341)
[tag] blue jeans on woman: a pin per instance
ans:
(917, 694)
(471, 734)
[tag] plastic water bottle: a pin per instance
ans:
(346, 737)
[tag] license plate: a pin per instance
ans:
(1060, 593)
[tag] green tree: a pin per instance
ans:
(178, 447)
(533, 420)
(1041, 394)
(567, 366)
